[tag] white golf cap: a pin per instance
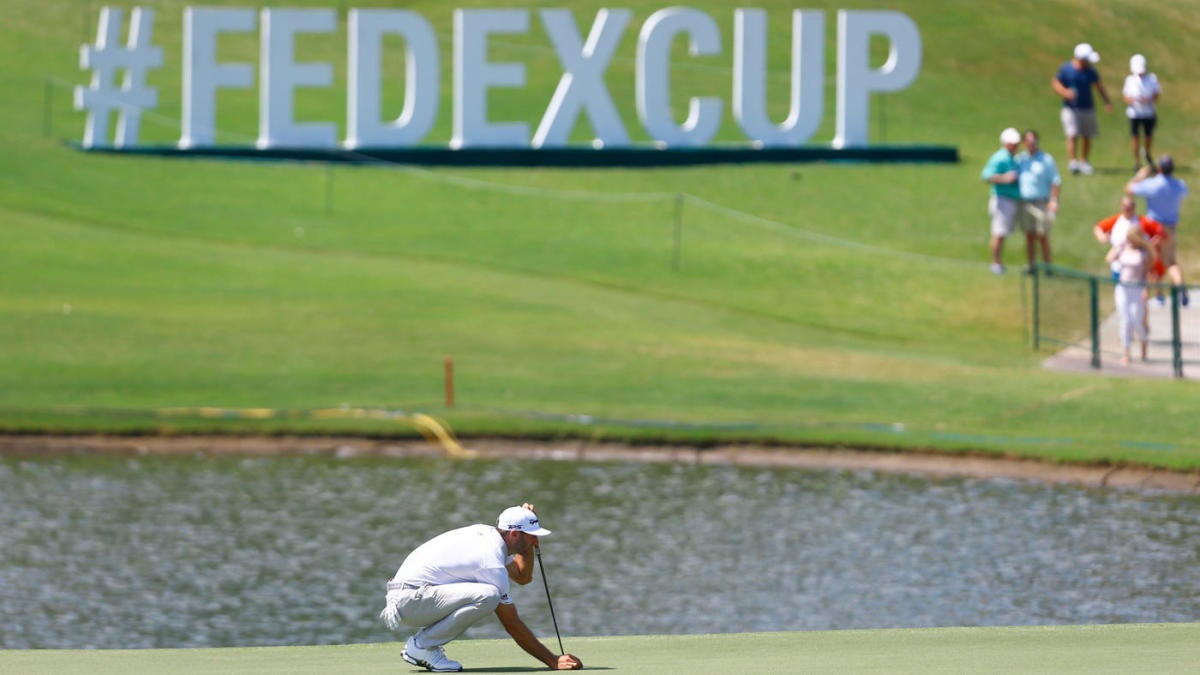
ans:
(519, 518)
(1010, 136)
(1084, 52)
(1137, 64)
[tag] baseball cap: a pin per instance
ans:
(519, 518)
(1084, 52)
(1137, 64)
(1166, 164)
(1010, 136)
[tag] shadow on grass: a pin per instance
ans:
(526, 669)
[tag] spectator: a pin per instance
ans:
(1134, 255)
(1141, 92)
(1001, 172)
(1074, 82)
(1164, 194)
(1114, 230)
(1040, 185)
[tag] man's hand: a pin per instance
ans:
(527, 505)
(568, 662)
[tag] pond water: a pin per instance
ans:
(119, 552)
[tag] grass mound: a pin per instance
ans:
(840, 304)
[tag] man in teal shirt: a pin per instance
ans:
(1001, 172)
(1040, 184)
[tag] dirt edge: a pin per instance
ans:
(928, 464)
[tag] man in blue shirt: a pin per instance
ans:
(1040, 183)
(1001, 172)
(1163, 194)
(1074, 82)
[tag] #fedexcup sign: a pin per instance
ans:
(581, 91)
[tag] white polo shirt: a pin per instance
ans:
(1141, 87)
(475, 553)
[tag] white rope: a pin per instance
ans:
(469, 183)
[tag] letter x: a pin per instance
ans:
(582, 87)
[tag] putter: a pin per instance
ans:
(537, 551)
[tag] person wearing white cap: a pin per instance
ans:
(1074, 82)
(1141, 92)
(453, 580)
(1001, 173)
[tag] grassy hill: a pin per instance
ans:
(810, 303)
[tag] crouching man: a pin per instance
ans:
(453, 580)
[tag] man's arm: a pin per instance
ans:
(526, 640)
(1128, 93)
(1141, 175)
(1061, 89)
(520, 569)
(1104, 94)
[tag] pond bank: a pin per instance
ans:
(928, 464)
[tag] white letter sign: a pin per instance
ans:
(202, 75)
(856, 80)
(654, 76)
(281, 75)
(482, 85)
(422, 81)
(581, 88)
(474, 75)
(750, 75)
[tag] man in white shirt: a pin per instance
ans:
(1141, 92)
(455, 579)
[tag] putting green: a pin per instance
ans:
(1158, 648)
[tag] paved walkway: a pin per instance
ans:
(1078, 358)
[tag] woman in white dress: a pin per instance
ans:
(1135, 256)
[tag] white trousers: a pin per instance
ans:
(441, 612)
(1131, 307)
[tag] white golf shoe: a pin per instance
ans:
(433, 660)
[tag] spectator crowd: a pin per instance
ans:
(1025, 185)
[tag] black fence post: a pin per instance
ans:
(1094, 291)
(1037, 309)
(1176, 338)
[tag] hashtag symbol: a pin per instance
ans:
(105, 59)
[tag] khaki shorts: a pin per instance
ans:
(1003, 211)
(1079, 123)
(1166, 251)
(1034, 217)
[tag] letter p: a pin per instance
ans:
(856, 79)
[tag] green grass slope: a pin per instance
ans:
(1147, 648)
(809, 303)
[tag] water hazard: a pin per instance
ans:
(112, 552)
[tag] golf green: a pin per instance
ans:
(1158, 648)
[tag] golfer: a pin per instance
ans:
(453, 580)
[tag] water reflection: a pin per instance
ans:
(170, 552)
